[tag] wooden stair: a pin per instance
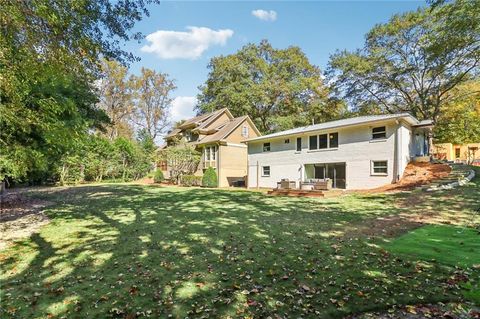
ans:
(296, 193)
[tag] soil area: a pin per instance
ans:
(20, 216)
(416, 174)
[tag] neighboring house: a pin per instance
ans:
(356, 153)
(218, 136)
(467, 153)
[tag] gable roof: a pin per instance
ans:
(225, 129)
(204, 118)
(341, 123)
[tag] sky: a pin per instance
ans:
(182, 36)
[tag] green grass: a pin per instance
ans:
(127, 250)
(456, 246)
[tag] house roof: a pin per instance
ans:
(340, 123)
(223, 130)
(203, 118)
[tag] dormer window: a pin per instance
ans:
(188, 136)
(245, 131)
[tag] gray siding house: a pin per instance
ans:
(356, 153)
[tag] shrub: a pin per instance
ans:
(210, 178)
(158, 177)
(190, 180)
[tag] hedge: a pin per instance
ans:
(191, 180)
(210, 178)
(158, 177)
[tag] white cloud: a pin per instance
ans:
(265, 15)
(185, 45)
(182, 108)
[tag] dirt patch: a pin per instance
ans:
(416, 174)
(20, 217)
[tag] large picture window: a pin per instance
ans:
(322, 141)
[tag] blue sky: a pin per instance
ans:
(185, 35)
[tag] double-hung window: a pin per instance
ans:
(379, 168)
(265, 171)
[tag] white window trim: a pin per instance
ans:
(269, 171)
(372, 172)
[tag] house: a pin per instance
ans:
(466, 153)
(218, 136)
(355, 153)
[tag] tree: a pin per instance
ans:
(116, 98)
(411, 63)
(182, 159)
(278, 88)
(49, 58)
(153, 100)
(209, 178)
(459, 122)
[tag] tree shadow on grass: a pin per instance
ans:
(127, 250)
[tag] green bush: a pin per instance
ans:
(210, 178)
(191, 180)
(158, 177)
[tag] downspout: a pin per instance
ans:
(395, 154)
(258, 172)
(218, 164)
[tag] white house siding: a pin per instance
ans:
(356, 149)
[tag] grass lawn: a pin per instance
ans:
(132, 251)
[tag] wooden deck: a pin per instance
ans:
(296, 192)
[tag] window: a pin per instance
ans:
(214, 153)
(379, 167)
(266, 147)
(333, 140)
(299, 144)
(207, 153)
(287, 141)
(312, 145)
(379, 133)
(457, 152)
(322, 141)
(266, 171)
(245, 131)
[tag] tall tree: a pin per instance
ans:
(49, 56)
(152, 92)
(459, 122)
(278, 88)
(412, 62)
(116, 98)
